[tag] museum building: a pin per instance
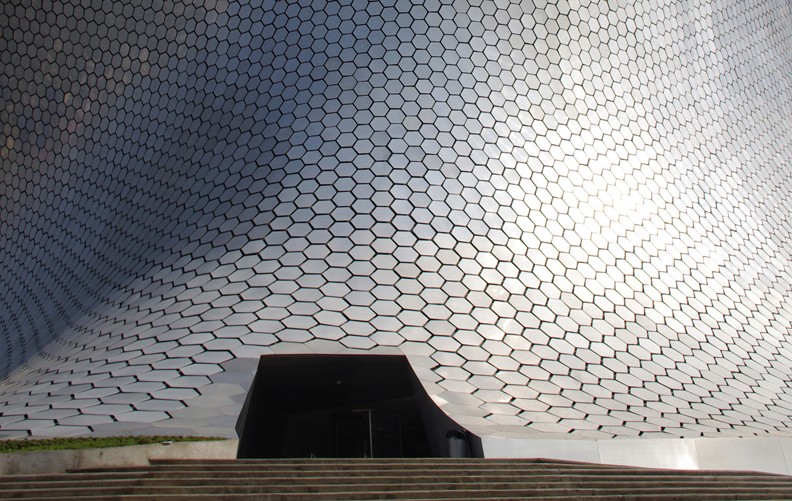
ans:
(536, 228)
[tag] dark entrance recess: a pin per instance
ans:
(328, 406)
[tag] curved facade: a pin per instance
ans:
(572, 216)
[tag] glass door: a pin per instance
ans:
(368, 434)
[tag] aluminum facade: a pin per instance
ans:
(572, 216)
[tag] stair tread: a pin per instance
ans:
(457, 495)
(406, 488)
(273, 480)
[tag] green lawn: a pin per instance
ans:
(51, 444)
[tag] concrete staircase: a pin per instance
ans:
(401, 479)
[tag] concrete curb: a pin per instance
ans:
(38, 462)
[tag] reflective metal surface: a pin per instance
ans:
(572, 216)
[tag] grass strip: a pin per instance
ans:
(55, 444)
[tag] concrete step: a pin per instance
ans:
(467, 470)
(384, 475)
(411, 497)
(460, 494)
(76, 481)
(353, 468)
(370, 461)
(417, 463)
(432, 463)
(83, 477)
(361, 490)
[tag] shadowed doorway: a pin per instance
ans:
(330, 406)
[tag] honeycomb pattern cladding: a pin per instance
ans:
(572, 216)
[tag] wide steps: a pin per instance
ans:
(399, 479)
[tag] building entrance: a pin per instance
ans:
(340, 406)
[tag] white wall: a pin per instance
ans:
(772, 455)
